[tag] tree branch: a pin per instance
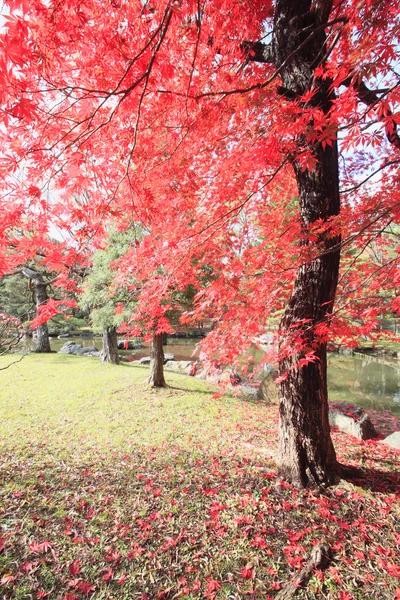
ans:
(320, 558)
(370, 98)
(13, 363)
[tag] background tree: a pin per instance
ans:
(40, 284)
(102, 295)
(151, 288)
(16, 297)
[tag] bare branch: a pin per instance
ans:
(13, 363)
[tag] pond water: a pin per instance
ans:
(369, 381)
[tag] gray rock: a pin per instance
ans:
(393, 440)
(179, 366)
(145, 360)
(249, 391)
(351, 419)
(70, 348)
(78, 350)
(86, 350)
(268, 390)
(185, 364)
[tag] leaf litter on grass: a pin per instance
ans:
(201, 513)
(173, 523)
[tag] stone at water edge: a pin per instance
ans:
(78, 350)
(180, 366)
(145, 360)
(87, 350)
(393, 440)
(70, 348)
(351, 419)
(129, 345)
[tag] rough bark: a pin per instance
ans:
(305, 448)
(42, 332)
(109, 352)
(41, 297)
(306, 452)
(156, 375)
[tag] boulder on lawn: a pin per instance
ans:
(268, 390)
(351, 419)
(168, 356)
(393, 440)
(248, 391)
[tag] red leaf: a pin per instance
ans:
(75, 567)
(86, 588)
(246, 573)
(108, 574)
(212, 585)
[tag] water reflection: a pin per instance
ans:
(370, 381)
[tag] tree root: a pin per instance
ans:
(320, 558)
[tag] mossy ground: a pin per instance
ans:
(113, 490)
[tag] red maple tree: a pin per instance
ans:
(219, 124)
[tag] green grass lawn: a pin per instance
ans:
(68, 402)
(111, 490)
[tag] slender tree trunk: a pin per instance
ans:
(42, 332)
(110, 346)
(156, 375)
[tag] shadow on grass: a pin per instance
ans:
(374, 480)
(186, 389)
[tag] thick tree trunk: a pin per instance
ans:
(156, 375)
(305, 447)
(109, 352)
(298, 47)
(42, 332)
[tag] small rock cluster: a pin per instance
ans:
(78, 350)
